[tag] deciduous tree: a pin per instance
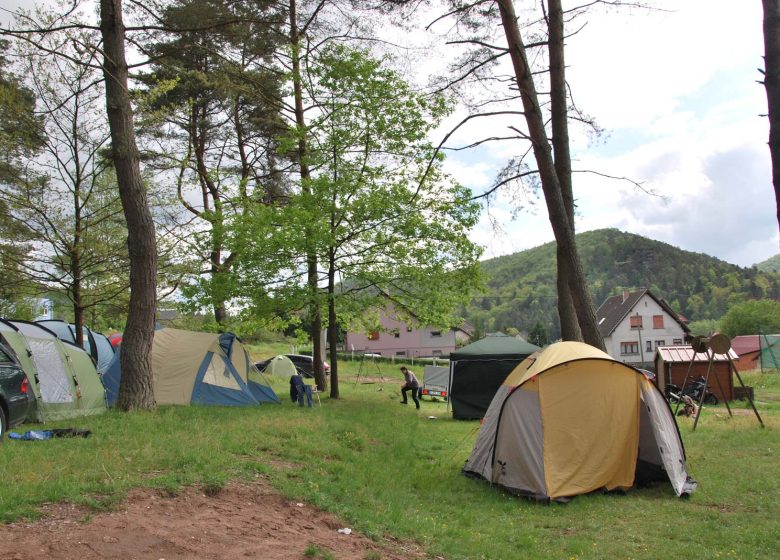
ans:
(66, 197)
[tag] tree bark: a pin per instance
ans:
(333, 326)
(315, 315)
(772, 86)
(135, 390)
(567, 314)
(551, 186)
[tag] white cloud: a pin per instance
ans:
(681, 105)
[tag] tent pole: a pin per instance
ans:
(742, 383)
(449, 386)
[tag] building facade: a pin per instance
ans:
(397, 338)
(636, 323)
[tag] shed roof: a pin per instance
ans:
(685, 354)
(744, 344)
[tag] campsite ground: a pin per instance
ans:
(240, 520)
(192, 482)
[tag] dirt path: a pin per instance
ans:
(240, 521)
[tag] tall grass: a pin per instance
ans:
(389, 470)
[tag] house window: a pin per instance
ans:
(628, 348)
(658, 321)
(373, 335)
(649, 346)
(660, 343)
(677, 341)
(636, 321)
(397, 335)
(401, 353)
(409, 329)
(436, 353)
(435, 333)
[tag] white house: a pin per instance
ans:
(634, 324)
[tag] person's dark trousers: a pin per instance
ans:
(414, 391)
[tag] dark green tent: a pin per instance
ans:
(478, 370)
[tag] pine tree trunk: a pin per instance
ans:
(570, 328)
(333, 328)
(315, 315)
(772, 86)
(551, 187)
(135, 390)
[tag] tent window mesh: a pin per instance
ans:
(52, 377)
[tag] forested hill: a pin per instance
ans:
(772, 264)
(521, 287)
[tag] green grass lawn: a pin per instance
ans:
(389, 470)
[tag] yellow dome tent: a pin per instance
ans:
(570, 420)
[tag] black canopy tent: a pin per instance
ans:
(477, 371)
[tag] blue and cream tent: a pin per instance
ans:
(197, 368)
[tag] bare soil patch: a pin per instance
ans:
(240, 521)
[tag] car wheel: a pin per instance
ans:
(3, 424)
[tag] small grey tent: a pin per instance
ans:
(477, 370)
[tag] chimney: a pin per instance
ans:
(626, 293)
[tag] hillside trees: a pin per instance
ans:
(752, 317)
(698, 286)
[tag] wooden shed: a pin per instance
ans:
(748, 348)
(672, 363)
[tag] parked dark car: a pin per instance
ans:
(16, 396)
(261, 365)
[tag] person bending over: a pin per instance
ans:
(410, 384)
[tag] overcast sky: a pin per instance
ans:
(676, 92)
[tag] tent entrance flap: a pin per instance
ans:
(601, 453)
(218, 382)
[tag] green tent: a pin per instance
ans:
(62, 376)
(281, 366)
(769, 356)
(477, 371)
